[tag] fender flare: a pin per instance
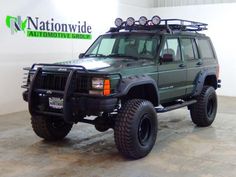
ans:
(130, 82)
(200, 79)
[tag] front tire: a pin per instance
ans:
(50, 128)
(136, 128)
(204, 111)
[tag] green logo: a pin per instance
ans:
(34, 27)
(16, 24)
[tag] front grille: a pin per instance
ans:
(52, 82)
(81, 83)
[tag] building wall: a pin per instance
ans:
(174, 3)
(18, 51)
(138, 3)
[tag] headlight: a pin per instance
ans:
(100, 86)
(97, 83)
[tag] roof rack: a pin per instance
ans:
(183, 25)
(168, 25)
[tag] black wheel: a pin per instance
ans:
(136, 128)
(50, 128)
(204, 111)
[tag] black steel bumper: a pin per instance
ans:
(87, 105)
(74, 104)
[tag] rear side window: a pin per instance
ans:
(187, 48)
(172, 47)
(205, 48)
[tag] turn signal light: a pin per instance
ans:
(107, 87)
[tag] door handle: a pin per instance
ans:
(199, 63)
(182, 65)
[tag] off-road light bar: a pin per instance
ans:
(118, 22)
(156, 20)
(143, 20)
(130, 21)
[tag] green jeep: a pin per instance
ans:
(128, 75)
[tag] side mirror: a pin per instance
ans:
(167, 58)
(81, 55)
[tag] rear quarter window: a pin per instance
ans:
(205, 48)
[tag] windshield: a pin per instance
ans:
(133, 46)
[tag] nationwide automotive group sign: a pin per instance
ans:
(50, 28)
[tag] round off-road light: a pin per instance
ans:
(130, 21)
(143, 20)
(156, 20)
(118, 22)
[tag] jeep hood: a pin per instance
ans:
(109, 64)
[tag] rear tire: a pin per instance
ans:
(204, 111)
(50, 128)
(136, 128)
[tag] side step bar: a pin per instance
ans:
(175, 106)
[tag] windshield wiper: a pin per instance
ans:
(112, 55)
(95, 55)
(123, 56)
